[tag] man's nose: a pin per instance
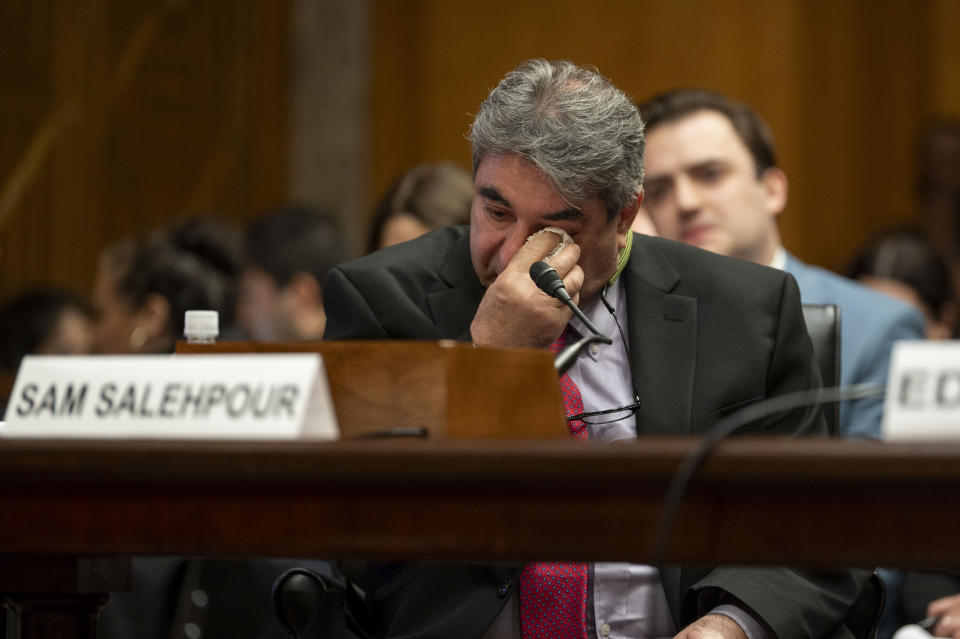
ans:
(687, 195)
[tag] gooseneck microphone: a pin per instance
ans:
(548, 280)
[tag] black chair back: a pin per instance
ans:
(823, 324)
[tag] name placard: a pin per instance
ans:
(262, 396)
(923, 392)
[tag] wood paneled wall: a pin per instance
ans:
(120, 115)
(844, 84)
(117, 116)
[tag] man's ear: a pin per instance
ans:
(776, 187)
(625, 218)
(305, 290)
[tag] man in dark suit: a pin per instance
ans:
(555, 145)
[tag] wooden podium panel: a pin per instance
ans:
(447, 387)
(757, 501)
(819, 503)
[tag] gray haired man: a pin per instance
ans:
(556, 145)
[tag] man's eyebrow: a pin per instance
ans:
(491, 193)
(701, 165)
(709, 163)
(566, 215)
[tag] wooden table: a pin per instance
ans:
(74, 509)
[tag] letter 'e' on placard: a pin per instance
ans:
(255, 396)
(923, 392)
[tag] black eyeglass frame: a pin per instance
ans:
(630, 409)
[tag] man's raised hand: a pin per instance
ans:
(514, 312)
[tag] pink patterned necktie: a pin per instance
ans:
(553, 595)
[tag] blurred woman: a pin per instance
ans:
(902, 264)
(143, 287)
(145, 284)
(424, 198)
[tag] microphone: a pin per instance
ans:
(727, 426)
(548, 280)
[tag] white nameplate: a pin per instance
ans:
(923, 392)
(263, 396)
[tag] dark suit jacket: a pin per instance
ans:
(707, 335)
(921, 588)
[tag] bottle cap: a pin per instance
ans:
(201, 324)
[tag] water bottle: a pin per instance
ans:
(201, 327)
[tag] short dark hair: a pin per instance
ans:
(30, 319)
(193, 265)
(292, 239)
(752, 130)
(905, 255)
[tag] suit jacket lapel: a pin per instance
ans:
(663, 341)
(455, 303)
(663, 346)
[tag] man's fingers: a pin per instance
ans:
(943, 605)
(573, 281)
(946, 627)
(564, 261)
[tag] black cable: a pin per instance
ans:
(726, 427)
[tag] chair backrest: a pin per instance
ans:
(823, 324)
(863, 618)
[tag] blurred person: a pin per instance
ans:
(713, 182)
(41, 322)
(426, 197)
(143, 287)
(44, 322)
(904, 265)
(938, 184)
(288, 252)
(145, 284)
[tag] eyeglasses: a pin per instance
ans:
(611, 415)
(607, 416)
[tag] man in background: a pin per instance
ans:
(288, 253)
(713, 181)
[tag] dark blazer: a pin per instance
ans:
(921, 588)
(708, 334)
